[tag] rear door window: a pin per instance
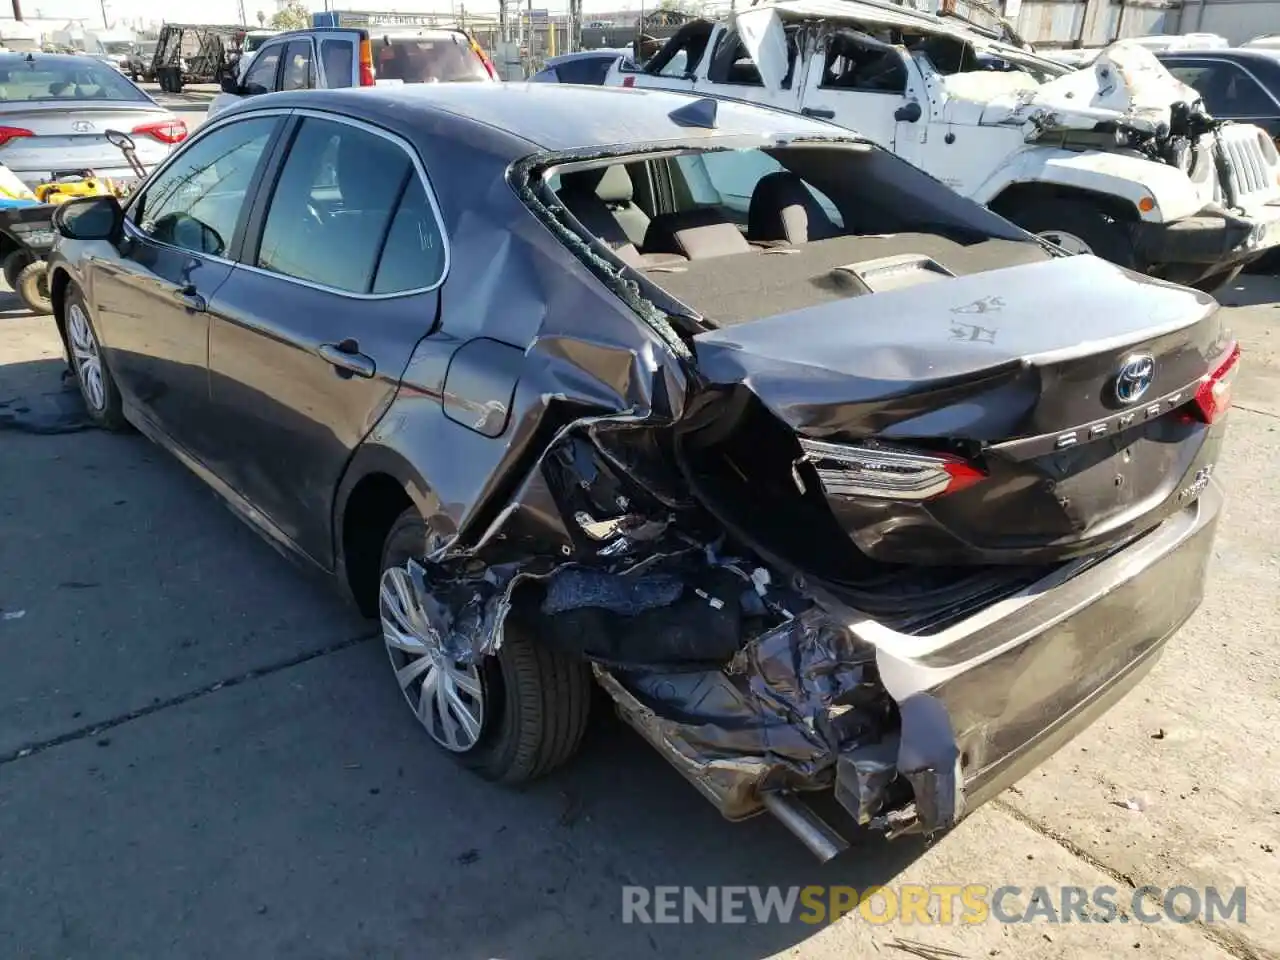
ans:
(338, 205)
(261, 77)
(413, 257)
(441, 58)
(298, 71)
(338, 55)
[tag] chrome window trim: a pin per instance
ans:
(223, 121)
(416, 161)
(137, 233)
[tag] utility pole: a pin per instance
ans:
(103, 5)
(17, 10)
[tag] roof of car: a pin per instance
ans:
(550, 116)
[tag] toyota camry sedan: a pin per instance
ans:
(835, 481)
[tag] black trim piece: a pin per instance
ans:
(267, 179)
(409, 174)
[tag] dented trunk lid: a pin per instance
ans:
(1016, 369)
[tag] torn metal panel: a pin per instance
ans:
(775, 717)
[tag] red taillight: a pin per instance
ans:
(1213, 395)
(366, 63)
(628, 81)
(166, 131)
(13, 133)
(886, 473)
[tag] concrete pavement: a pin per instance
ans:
(201, 754)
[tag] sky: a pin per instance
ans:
(227, 11)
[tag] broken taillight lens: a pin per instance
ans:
(1213, 395)
(887, 473)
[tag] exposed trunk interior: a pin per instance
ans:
(780, 279)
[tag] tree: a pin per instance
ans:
(294, 15)
(262, 19)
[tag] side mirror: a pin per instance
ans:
(908, 113)
(230, 85)
(89, 218)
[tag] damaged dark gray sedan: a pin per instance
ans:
(833, 480)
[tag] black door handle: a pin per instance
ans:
(188, 297)
(347, 360)
(822, 113)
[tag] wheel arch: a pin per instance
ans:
(1020, 194)
(59, 281)
(379, 484)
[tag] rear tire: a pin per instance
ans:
(532, 704)
(1079, 227)
(33, 287)
(14, 263)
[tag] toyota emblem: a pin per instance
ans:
(81, 126)
(1134, 377)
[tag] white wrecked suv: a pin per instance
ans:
(1119, 160)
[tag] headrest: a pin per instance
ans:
(697, 234)
(615, 186)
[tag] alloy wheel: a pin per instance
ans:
(87, 357)
(446, 695)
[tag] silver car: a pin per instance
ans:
(55, 111)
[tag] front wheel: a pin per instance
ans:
(14, 263)
(513, 716)
(33, 287)
(97, 386)
(1078, 227)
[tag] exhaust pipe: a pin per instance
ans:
(814, 832)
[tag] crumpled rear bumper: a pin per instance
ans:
(973, 708)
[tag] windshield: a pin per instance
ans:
(445, 58)
(85, 79)
(253, 43)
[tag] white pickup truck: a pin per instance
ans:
(1119, 160)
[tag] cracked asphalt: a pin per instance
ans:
(202, 754)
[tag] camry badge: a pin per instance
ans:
(81, 126)
(1135, 377)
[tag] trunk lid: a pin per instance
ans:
(1065, 383)
(71, 135)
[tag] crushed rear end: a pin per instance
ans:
(925, 498)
